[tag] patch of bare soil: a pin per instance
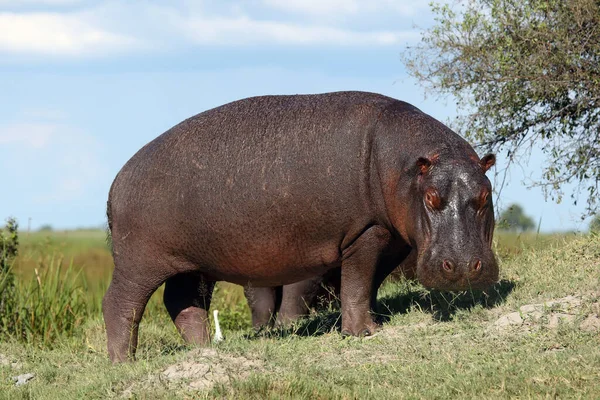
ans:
(206, 367)
(201, 370)
(8, 362)
(581, 309)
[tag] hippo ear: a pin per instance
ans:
(424, 164)
(487, 162)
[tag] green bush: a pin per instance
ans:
(9, 243)
(595, 224)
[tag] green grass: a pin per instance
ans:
(51, 304)
(89, 254)
(87, 249)
(433, 345)
(509, 244)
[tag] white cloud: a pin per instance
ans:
(57, 34)
(243, 30)
(31, 135)
(38, 2)
(316, 7)
(100, 29)
(335, 8)
(45, 114)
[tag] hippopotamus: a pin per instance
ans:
(281, 305)
(273, 190)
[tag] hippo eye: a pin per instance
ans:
(432, 199)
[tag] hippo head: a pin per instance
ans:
(453, 222)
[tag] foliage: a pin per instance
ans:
(595, 224)
(523, 73)
(9, 243)
(46, 228)
(234, 314)
(514, 218)
(51, 305)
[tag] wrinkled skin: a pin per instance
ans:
(273, 190)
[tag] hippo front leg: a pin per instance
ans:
(359, 265)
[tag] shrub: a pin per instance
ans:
(595, 224)
(9, 243)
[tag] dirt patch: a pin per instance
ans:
(206, 367)
(553, 313)
(201, 370)
(7, 362)
(591, 324)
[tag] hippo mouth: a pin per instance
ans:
(455, 286)
(476, 274)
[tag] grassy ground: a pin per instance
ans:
(511, 342)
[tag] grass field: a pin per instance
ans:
(535, 335)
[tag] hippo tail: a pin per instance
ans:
(109, 217)
(108, 227)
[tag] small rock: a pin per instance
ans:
(23, 379)
(534, 316)
(557, 317)
(531, 311)
(591, 324)
(569, 301)
(528, 308)
(513, 318)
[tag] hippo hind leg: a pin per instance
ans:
(264, 303)
(187, 298)
(123, 306)
(296, 300)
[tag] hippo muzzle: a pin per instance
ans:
(457, 273)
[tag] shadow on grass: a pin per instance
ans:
(168, 349)
(441, 305)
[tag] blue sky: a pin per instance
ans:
(84, 84)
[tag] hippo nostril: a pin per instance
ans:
(476, 265)
(448, 266)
